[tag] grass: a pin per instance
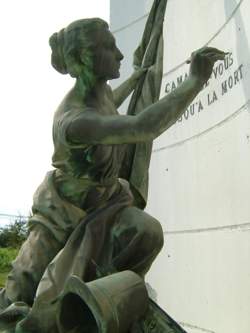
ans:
(3, 277)
(7, 255)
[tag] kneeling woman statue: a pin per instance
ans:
(84, 219)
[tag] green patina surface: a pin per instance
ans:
(86, 222)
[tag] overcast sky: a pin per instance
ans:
(30, 92)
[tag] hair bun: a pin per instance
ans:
(56, 43)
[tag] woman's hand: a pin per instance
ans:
(123, 91)
(202, 63)
(138, 73)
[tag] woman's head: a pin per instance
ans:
(73, 47)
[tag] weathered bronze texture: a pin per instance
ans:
(87, 217)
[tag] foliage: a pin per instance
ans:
(7, 255)
(14, 234)
(3, 277)
(11, 238)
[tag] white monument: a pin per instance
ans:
(199, 175)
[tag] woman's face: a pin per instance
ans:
(107, 57)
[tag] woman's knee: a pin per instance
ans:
(154, 233)
(147, 228)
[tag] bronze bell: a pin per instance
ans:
(107, 305)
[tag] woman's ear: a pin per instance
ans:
(87, 59)
(74, 66)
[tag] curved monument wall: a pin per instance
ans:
(199, 175)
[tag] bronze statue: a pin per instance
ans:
(86, 221)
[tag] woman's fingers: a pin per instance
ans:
(212, 49)
(203, 60)
(211, 53)
(215, 56)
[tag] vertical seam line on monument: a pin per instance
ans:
(243, 227)
(130, 24)
(210, 40)
(219, 124)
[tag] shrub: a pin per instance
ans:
(14, 234)
(7, 255)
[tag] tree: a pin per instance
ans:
(14, 234)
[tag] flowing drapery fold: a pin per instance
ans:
(148, 55)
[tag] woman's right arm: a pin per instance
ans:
(92, 128)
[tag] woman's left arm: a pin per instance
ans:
(125, 89)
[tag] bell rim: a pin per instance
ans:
(77, 286)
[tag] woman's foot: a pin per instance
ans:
(10, 316)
